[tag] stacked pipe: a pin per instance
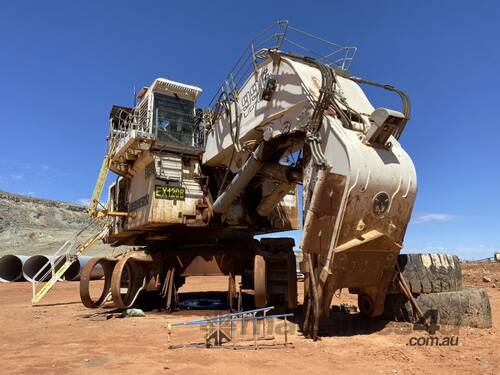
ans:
(11, 267)
(33, 268)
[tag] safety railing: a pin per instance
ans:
(68, 253)
(147, 126)
(283, 37)
(133, 124)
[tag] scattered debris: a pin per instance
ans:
(203, 303)
(345, 308)
(487, 279)
(130, 313)
(99, 317)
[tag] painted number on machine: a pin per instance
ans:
(170, 192)
(251, 96)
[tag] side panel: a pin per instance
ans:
(289, 97)
(163, 191)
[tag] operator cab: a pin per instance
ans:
(164, 119)
(170, 107)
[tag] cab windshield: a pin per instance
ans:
(173, 118)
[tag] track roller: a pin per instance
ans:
(128, 280)
(107, 265)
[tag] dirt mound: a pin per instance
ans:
(38, 226)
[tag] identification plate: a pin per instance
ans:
(170, 192)
(141, 202)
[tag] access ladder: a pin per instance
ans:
(70, 251)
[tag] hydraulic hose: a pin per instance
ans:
(404, 99)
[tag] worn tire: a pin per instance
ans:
(430, 273)
(466, 308)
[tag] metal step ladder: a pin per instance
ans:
(67, 254)
(101, 179)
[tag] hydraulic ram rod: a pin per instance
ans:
(253, 165)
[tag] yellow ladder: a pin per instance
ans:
(101, 180)
(70, 259)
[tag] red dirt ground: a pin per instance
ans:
(58, 337)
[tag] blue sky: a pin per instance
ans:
(63, 64)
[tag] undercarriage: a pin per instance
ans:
(266, 268)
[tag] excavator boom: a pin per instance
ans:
(358, 183)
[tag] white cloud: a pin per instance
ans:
(479, 251)
(18, 176)
(433, 217)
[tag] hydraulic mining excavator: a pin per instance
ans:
(194, 186)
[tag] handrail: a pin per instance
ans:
(405, 100)
(281, 36)
(101, 179)
(76, 248)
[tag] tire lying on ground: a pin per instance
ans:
(435, 281)
(469, 307)
(430, 273)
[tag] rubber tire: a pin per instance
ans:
(430, 273)
(469, 307)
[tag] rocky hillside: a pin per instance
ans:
(38, 226)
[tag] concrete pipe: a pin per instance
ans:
(36, 267)
(74, 271)
(39, 267)
(11, 267)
